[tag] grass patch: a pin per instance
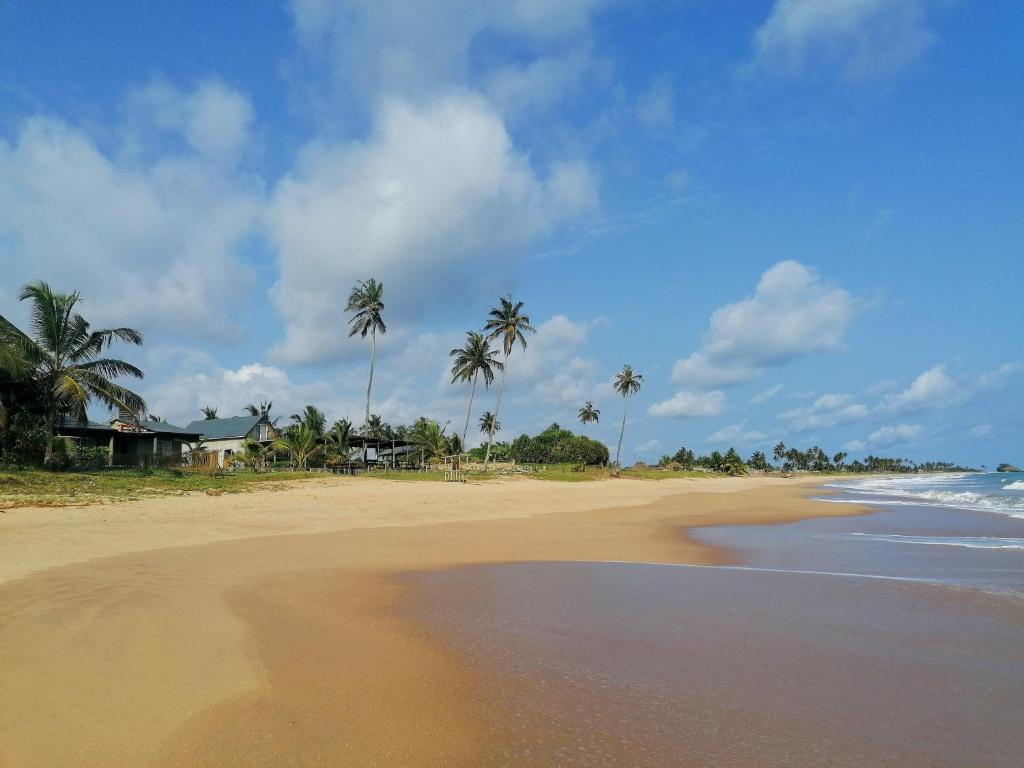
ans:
(30, 488)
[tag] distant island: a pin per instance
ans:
(1007, 468)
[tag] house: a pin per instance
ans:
(226, 437)
(131, 442)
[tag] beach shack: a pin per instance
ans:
(226, 437)
(130, 442)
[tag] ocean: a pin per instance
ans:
(894, 639)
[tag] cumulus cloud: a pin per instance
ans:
(152, 238)
(887, 436)
(398, 47)
(688, 404)
(792, 313)
(428, 193)
(827, 411)
(981, 430)
(736, 434)
(866, 38)
(933, 389)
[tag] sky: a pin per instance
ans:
(800, 220)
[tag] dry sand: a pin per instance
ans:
(261, 629)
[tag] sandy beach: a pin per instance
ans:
(266, 628)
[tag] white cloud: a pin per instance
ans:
(735, 434)
(418, 205)
(518, 90)
(650, 445)
(998, 377)
(866, 38)
(827, 411)
(400, 48)
(152, 238)
(766, 394)
(981, 430)
(887, 436)
(933, 389)
(687, 404)
(792, 313)
(214, 119)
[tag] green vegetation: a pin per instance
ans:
(1007, 468)
(59, 489)
(627, 383)
(470, 360)
(557, 446)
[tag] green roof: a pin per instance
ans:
(224, 429)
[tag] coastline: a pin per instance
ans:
(271, 629)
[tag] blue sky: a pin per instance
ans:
(800, 220)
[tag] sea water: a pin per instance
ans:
(891, 639)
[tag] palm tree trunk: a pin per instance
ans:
(497, 410)
(622, 431)
(469, 409)
(51, 421)
(373, 359)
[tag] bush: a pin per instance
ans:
(558, 446)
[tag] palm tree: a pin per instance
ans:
(338, 441)
(299, 442)
(780, 451)
(507, 323)
(12, 359)
(627, 383)
(377, 428)
(588, 413)
(429, 436)
(263, 409)
(489, 425)
(313, 418)
(209, 413)
(367, 301)
(472, 359)
(65, 357)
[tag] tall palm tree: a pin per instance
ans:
(367, 302)
(588, 413)
(313, 418)
(489, 425)
(470, 360)
(65, 356)
(508, 323)
(627, 383)
(209, 413)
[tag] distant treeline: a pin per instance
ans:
(552, 446)
(813, 459)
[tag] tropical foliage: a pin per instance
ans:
(471, 360)
(558, 446)
(627, 383)
(507, 323)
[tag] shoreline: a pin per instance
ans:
(299, 636)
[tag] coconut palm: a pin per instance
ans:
(301, 443)
(313, 418)
(377, 428)
(367, 302)
(508, 324)
(588, 413)
(65, 357)
(263, 409)
(12, 359)
(475, 357)
(627, 383)
(489, 425)
(209, 413)
(429, 437)
(338, 441)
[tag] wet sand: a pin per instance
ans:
(118, 646)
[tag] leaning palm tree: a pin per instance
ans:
(209, 413)
(470, 360)
(301, 443)
(65, 356)
(367, 301)
(627, 383)
(489, 425)
(588, 413)
(507, 323)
